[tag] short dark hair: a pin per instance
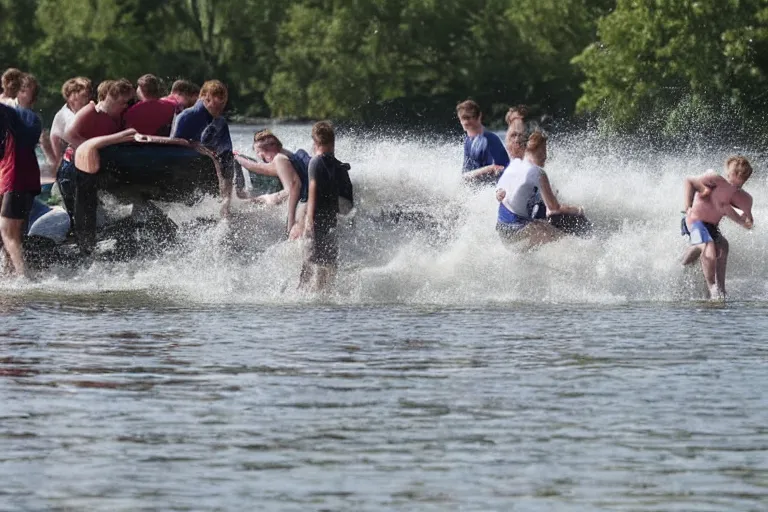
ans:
(150, 86)
(185, 87)
(323, 134)
(469, 107)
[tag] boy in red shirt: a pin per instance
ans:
(20, 129)
(151, 115)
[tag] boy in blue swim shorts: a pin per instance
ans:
(707, 199)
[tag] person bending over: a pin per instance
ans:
(204, 123)
(518, 191)
(290, 168)
(79, 188)
(707, 199)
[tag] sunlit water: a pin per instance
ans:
(444, 372)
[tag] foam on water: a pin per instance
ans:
(392, 252)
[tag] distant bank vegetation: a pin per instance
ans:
(667, 65)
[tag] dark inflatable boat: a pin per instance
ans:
(157, 172)
(136, 174)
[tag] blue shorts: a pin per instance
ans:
(702, 232)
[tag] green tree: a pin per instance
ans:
(675, 63)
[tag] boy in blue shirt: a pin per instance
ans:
(484, 154)
(203, 123)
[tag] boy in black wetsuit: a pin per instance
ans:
(327, 178)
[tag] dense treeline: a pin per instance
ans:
(670, 64)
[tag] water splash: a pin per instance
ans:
(421, 237)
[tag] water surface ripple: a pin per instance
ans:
(130, 404)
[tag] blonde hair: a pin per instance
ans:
(536, 141)
(214, 88)
(75, 86)
(103, 89)
(28, 80)
(266, 139)
(120, 88)
(740, 165)
(517, 112)
(11, 82)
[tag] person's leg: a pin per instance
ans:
(540, 232)
(722, 260)
(65, 177)
(86, 202)
(691, 255)
(305, 276)
(709, 267)
(11, 232)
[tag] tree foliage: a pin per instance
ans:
(675, 62)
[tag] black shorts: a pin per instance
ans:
(228, 166)
(323, 249)
(17, 205)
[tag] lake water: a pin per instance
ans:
(444, 372)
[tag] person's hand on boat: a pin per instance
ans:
(498, 169)
(239, 159)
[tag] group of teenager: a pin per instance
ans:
(317, 185)
(527, 201)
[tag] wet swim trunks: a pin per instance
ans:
(702, 232)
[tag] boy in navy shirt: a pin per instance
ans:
(204, 123)
(484, 153)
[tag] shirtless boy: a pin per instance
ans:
(707, 199)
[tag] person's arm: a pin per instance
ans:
(701, 185)
(743, 201)
(500, 194)
(57, 144)
(72, 133)
(157, 139)
(742, 220)
(45, 144)
(291, 183)
(309, 216)
(266, 169)
(550, 199)
(225, 185)
(488, 169)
